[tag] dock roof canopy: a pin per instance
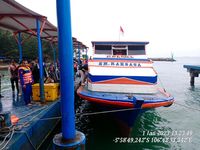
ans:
(17, 18)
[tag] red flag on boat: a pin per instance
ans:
(121, 30)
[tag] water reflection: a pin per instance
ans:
(17, 100)
(152, 126)
(193, 97)
(10, 99)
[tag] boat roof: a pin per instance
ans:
(17, 18)
(118, 43)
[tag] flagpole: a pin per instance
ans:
(120, 31)
(119, 35)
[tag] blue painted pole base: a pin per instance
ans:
(78, 143)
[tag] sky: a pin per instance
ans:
(170, 26)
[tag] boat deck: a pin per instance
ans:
(127, 96)
(32, 128)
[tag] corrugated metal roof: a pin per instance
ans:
(17, 18)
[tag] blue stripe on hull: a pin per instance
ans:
(96, 78)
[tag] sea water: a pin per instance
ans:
(176, 127)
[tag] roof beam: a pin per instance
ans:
(21, 15)
(35, 30)
(25, 39)
(34, 33)
(6, 26)
(42, 27)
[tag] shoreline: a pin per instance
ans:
(162, 59)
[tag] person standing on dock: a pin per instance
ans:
(13, 71)
(26, 80)
(36, 71)
(84, 73)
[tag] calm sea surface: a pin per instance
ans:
(176, 127)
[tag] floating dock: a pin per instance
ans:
(194, 71)
(35, 122)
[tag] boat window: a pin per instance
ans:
(102, 49)
(119, 52)
(103, 52)
(136, 47)
(136, 50)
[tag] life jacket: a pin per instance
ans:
(27, 78)
(26, 75)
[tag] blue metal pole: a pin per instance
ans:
(69, 138)
(66, 68)
(40, 62)
(20, 46)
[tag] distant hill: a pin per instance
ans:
(162, 59)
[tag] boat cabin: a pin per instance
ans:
(119, 48)
(121, 67)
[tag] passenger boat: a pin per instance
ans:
(120, 76)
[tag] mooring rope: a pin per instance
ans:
(187, 106)
(112, 111)
(13, 129)
(44, 107)
(161, 84)
(94, 113)
(12, 133)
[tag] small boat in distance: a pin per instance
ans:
(120, 76)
